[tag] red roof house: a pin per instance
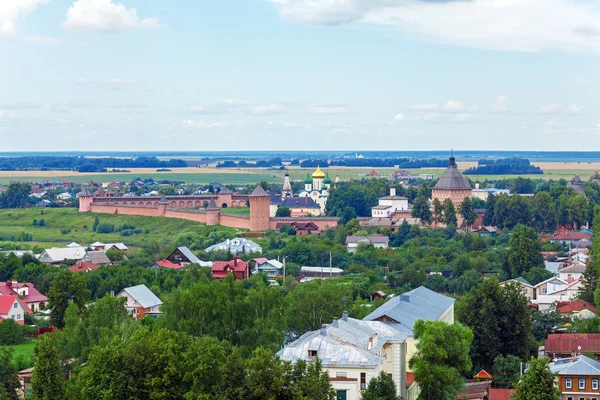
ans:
(11, 307)
(501, 394)
(563, 345)
(240, 269)
(565, 235)
(483, 375)
(84, 266)
(574, 306)
(166, 264)
(32, 298)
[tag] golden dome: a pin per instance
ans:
(318, 174)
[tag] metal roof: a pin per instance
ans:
(345, 342)
(370, 239)
(406, 309)
(569, 342)
(143, 296)
(189, 255)
(259, 192)
(452, 179)
(580, 365)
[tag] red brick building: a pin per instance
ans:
(240, 269)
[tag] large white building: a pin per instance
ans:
(353, 352)
(389, 205)
(317, 188)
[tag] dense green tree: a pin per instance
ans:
(524, 251)
(578, 211)
(438, 211)
(506, 370)
(66, 287)
(449, 213)
(11, 332)
(47, 382)
(501, 210)
(538, 382)
(592, 271)
(488, 217)
(544, 212)
(544, 321)
(283, 212)
(500, 320)
(519, 212)
(381, 388)
(96, 223)
(421, 209)
(15, 195)
(442, 356)
(467, 212)
(9, 380)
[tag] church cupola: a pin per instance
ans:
(392, 189)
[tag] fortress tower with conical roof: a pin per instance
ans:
(452, 185)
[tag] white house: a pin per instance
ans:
(140, 301)
(554, 289)
(272, 268)
(64, 196)
(401, 313)
(574, 270)
(11, 307)
(380, 242)
(389, 205)
(57, 255)
(353, 352)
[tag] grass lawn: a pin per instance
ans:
(236, 210)
(164, 230)
(23, 351)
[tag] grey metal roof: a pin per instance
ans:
(259, 192)
(190, 256)
(351, 343)
(299, 202)
(406, 309)
(580, 365)
(143, 296)
(236, 245)
(212, 205)
(453, 179)
(370, 239)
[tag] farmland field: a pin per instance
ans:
(23, 351)
(66, 225)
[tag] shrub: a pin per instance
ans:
(105, 227)
(11, 333)
(41, 222)
(35, 222)
(65, 231)
(25, 237)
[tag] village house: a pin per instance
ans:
(572, 271)
(401, 313)
(379, 242)
(564, 235)
(140, 301)
(353, 352)
(166, 264)
(526, 288)
(563, 345)
(11, 307)
(554, 290)
(184, 256)
(577, 377)
(321, 272)
(240, 269)
(59, 255)
(109, 246)
(273, 268)
(26, 292)
(302, 228)
(85, 266)
(236, 245)
(576, 308)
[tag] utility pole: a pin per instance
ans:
(283, 280)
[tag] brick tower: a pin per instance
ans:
(85, 200)
(213, 213)
(259, 210)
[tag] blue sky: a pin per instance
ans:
(299, 74)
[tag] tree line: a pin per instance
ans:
(78, 162)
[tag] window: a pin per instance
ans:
(15, 305)
(312, 353)
(363, 380)
(569, 398)
(595, 383)
(18, 316)
(341, 395)
(582, 383)
(569, 383)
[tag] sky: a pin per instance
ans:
(137, 75)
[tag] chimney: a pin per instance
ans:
(8, 283)
(235, 261)
(370, 343)
(335, 322)
(345, 316)
(323, 330)
(405, 297)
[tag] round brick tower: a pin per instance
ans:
(259, 210)
(452, 185)
(213, 213)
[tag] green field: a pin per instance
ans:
(23, 351)
(164, 230)
(236, 210)
(233, 178)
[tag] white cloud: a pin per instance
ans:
(424, 107)
(598, 126)
(268, 109)
(400, 117)
(551, 108)
(233, 102)
(453, 105)
(44, 40)
(513, 25)
(104, 16)
(501, 104)
(327, 110)
(19, 105)
(114, 83)
(575, 108)
(462, 117)
(190, 123)
(12, 10)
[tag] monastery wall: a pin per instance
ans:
(321, 222)
(235, 221)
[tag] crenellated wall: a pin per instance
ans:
(260, 221)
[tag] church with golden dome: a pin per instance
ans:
(316, 187)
